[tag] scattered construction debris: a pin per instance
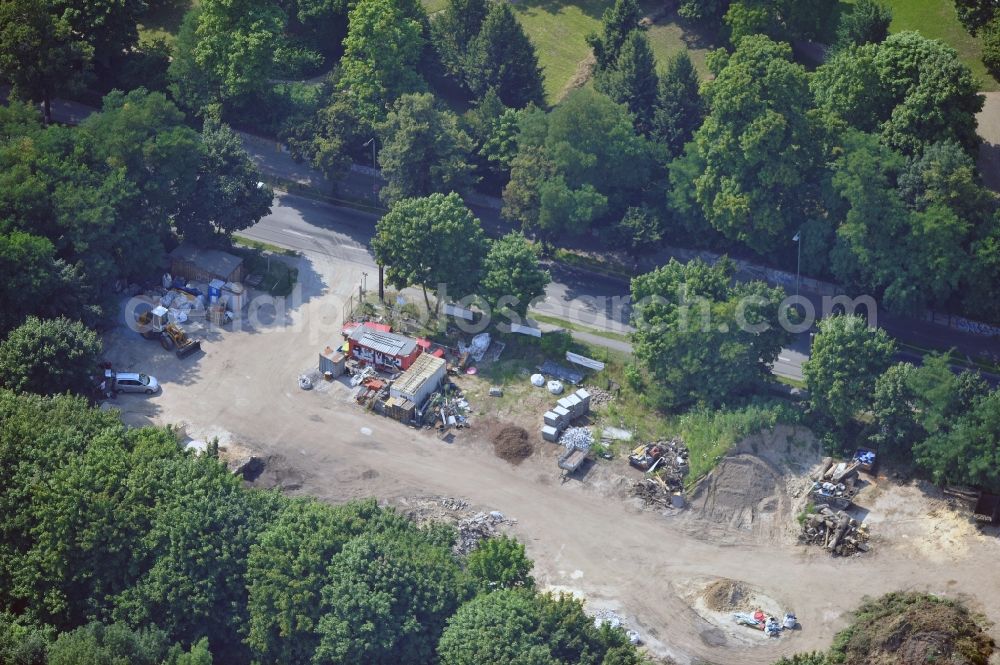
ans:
(665, 464)
(836, 484)
(480, 526)
(834, 531)
(760, 621)
(471, 527)
(614, 620)
(511, 444)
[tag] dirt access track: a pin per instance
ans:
(583, 536)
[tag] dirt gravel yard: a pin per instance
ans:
(585, 536)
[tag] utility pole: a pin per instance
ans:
(374, 170)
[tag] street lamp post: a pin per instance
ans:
(798, 263)
(374, 169)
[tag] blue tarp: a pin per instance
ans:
(561, 372)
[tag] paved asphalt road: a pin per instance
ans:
(579, 297)
(301, 223)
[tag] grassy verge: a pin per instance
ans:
(709, 434)
(278, 278)
(570, 325)
(250, 243)
(789, 381)
(592, 263)
(953, 358)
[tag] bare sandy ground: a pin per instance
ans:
(584, 537)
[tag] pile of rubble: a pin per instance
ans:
(615, 620)
(835, 484)
(576, 438)
(471, 527)
(655, 494)
(480, 526)
(665, 464)
(598, 396)
(835, 531)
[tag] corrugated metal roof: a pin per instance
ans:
(383, 342)
(423, 368)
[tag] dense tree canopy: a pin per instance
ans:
(116, 546)
(49, 357)
(867, 23)
(93, 205)
(913, 90)
(752, 170)
(516, 626)
(424, 150)
(701, 337)
(580, 164)
(847, 358)
(39, 52)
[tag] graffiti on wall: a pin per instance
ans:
(377, 358)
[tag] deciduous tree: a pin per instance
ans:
(702, 338)
(388, 600)
(753, 169)
(49, 357)
(424, 150)
(431, 241)
(40, 54)
(512, 278)
(847, 358)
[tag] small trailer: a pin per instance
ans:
(570, 461)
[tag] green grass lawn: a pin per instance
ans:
(559, 28)
(165, 21)
(937, 19)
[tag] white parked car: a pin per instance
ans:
(130, 382)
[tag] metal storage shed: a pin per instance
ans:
(204, 265)
(422, 378)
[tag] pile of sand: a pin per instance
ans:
(725, 595)
(738, 492)
(511, 443)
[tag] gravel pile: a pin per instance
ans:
(578, 438)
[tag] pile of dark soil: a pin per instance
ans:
(511, 443)
(911, 628)
(725, 595)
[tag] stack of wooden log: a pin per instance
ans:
(835, 531)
